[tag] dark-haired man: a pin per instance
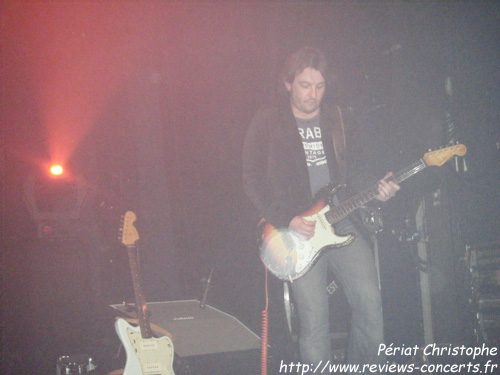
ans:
(289, 154)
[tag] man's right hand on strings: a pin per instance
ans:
(302, 227)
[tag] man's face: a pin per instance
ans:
(306, 92)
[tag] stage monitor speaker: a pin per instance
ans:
(198, 331)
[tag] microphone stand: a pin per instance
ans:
(206, 286)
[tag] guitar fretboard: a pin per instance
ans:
(341, 211)
(140, 300)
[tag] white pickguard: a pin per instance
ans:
(289, 256)
(152, 356)
(324, 234)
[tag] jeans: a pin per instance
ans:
(354, 266)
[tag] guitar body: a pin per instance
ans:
(152, 356)
(288, 256)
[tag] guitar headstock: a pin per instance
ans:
(439, 157)
(129, 234)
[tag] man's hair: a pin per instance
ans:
(306, 57)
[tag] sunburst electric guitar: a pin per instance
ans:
(146, 354)
(289, 257)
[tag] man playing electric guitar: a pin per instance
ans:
(288, 156)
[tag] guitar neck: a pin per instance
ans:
(140, 300)
(345, 208)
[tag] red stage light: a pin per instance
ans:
(56, 170)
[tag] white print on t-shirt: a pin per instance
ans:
(310, 133)
(313, 146)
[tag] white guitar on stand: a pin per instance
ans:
(146, 354)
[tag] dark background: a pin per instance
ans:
(148, 103)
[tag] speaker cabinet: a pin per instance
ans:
(198, 331)
(484, 265)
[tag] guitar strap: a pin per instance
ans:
(339, 143)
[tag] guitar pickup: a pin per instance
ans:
(149, 345)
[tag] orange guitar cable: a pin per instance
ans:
(265, 331)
